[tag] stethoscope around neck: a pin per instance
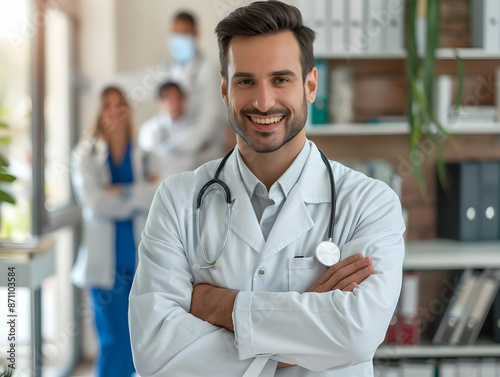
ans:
(327, 252)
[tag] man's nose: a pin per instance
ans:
(264, 98)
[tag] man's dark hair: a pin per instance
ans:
(168, 86)
(266, 17)
(185, 16)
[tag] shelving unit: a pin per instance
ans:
(434, 258)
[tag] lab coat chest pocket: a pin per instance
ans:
(303, 273)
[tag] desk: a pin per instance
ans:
(32, 266)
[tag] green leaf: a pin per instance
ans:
(3, 161)
(7, 177)
(4, 197)
(431, 44)
(4, 125)
(5, 140)
(440, 166)
(461, 79)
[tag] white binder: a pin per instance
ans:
(486, 24)
(338, 25)
(395, 28)
(357, 41)
(320, 24)
(374, 24)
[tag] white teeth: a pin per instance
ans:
(266, 120)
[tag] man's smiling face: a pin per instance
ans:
(265, 92)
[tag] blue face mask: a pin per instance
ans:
(182, 47)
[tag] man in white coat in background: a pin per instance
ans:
(258, 302)
(171, 134)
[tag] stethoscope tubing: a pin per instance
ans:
(227, 194)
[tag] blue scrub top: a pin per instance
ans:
(124, 239)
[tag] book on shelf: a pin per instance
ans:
(455, 309)
(468, 308)
(319, 109)
(478, 307)
(458, 203)
(489, 203)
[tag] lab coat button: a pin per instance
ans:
(262, 272)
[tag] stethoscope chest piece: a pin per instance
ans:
(327, 253)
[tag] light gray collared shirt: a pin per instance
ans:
(267, 205)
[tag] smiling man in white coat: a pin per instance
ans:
(239, 290)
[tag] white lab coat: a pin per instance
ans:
(326, 334)
(90, 174)
(175, 143)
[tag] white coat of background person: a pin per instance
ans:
(114, 182)
(269, 308)
(102, 205)
(171, 134)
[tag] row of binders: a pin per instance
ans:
(441, 368)
(468, 206)
(354, 26)
(467, 298)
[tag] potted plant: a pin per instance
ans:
(421, 71)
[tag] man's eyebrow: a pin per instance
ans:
(283, 72)
(242, 74)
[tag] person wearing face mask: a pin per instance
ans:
(170, 134)
(200, 82)
(114, 183)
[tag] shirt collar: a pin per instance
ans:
(282, 187)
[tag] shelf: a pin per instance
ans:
(430, 351)
(353, 129)
(441, 53)
(443, 254)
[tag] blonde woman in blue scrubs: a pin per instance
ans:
(114, 183)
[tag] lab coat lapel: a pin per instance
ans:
(243, 219)
(294, 219)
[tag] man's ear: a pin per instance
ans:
(223, 87)
(311, 85)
